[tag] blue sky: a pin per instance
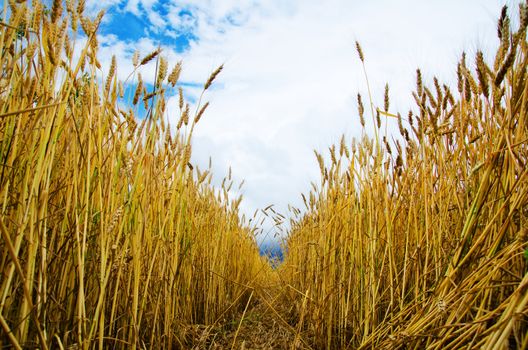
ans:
(291, 72)
(131, 24)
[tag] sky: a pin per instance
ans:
(291, 72)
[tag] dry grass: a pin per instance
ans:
(419, 243)
(108, 237)
(111, 239)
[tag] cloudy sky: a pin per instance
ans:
(291, 72)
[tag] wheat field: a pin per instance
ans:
(112, 239)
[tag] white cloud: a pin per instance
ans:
(93, 6)
(292, 74)
(157, 20)
(135, 6)
(180, 23)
